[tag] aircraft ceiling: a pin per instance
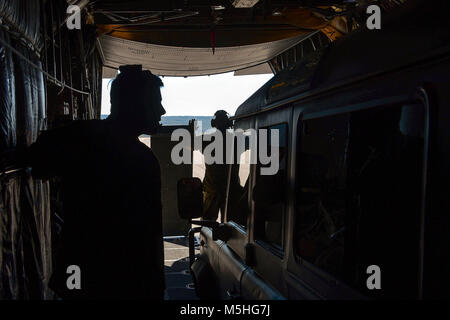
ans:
(208, 30)
(188, 61)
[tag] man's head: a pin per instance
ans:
(221, 120)
(136, 99)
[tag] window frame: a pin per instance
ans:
(275, 250)
(299, 267)
(239, 236)
(234, 224)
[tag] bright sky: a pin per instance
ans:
(201, 96)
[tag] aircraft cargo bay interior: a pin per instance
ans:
(224, 150)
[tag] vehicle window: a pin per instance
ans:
(238, 208)
(358, 196)
(269, 194)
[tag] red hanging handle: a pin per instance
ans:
(213, 40)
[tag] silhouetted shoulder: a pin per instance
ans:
(76, 128)
(147, 156)
(57, 147)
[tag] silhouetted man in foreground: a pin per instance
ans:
(111, 195)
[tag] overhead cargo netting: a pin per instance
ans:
(183, 61)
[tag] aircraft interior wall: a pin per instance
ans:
(31, 101)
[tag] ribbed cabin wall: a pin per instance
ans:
(32, 37)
